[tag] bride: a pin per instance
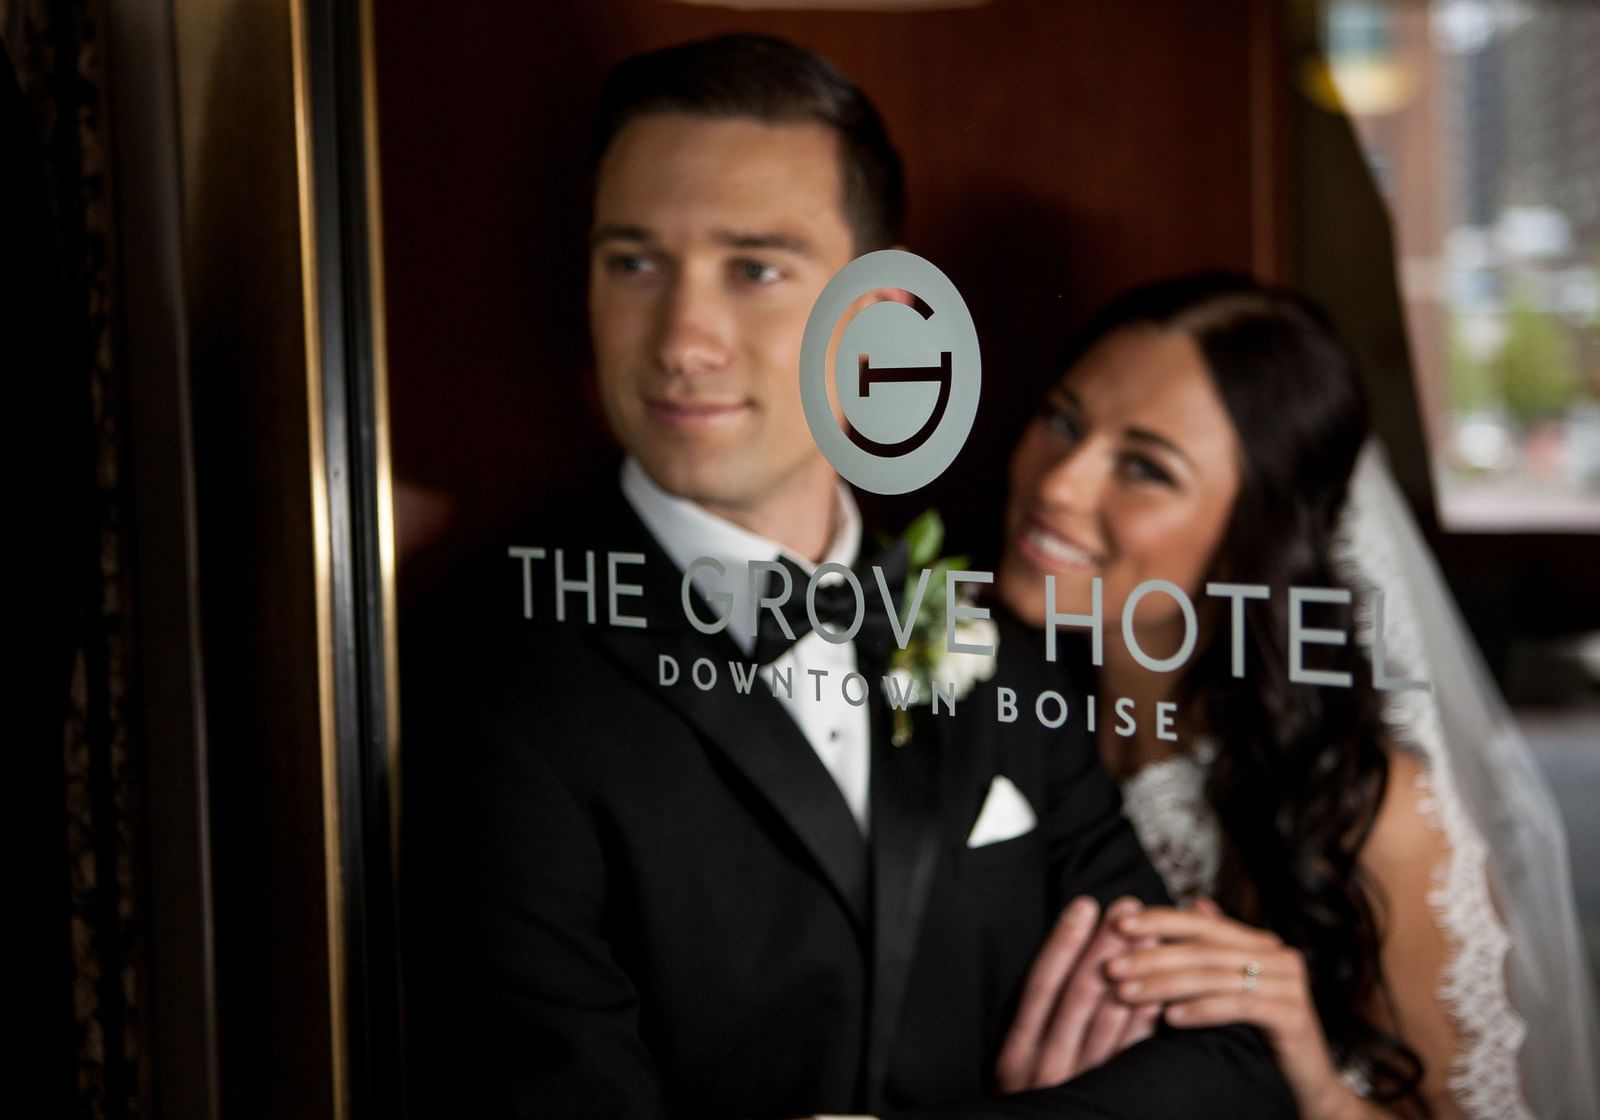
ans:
(1376, 877)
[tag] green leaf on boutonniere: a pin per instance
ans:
(944, 566)
(924, 537)
(915, 663)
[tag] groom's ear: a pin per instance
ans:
(894, 295)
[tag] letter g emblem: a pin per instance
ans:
(906, 377)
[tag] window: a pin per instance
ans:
(1481, 122)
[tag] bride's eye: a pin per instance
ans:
(1060, 420)
(1137, 467)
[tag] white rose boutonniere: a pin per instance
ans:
(927, 661)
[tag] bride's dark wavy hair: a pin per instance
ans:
(1301, 769)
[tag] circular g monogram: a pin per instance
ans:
(906, 374)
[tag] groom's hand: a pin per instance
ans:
(1069, 1019)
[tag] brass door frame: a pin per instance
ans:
(273, 933)
(342, 276)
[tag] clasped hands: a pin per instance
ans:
(1099, 986)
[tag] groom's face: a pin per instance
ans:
(712, 239)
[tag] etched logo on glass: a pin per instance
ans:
(890, 372)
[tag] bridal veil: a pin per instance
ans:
(1517, 981)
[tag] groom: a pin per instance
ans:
(664, 893)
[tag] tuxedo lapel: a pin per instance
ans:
(905, 853)
(751, 731)
(974, 762)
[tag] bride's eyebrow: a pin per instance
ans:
(1145, 435)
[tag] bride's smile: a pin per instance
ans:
(1128, 474)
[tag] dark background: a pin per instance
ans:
(1056, 153)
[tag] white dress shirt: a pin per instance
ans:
(838, 731)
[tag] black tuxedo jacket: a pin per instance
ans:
(637, 900)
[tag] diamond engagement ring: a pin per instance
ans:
(1252, 975)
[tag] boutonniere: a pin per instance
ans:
(927, 658)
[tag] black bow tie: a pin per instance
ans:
(836, 607)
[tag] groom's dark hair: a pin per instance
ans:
(775, 82)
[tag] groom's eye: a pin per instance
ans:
(629, 264)
(756, 272)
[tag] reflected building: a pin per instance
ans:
(1481, 124)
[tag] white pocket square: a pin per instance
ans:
(1005, 815)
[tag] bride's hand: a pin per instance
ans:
(1210, 970)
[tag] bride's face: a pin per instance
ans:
(1129, 473)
